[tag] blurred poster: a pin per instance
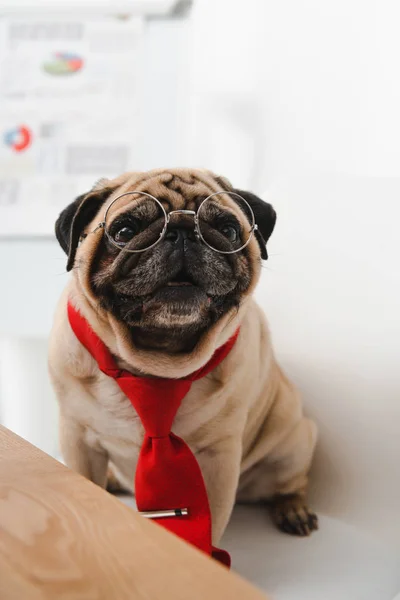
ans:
(68, 112)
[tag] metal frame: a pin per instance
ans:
(167, 218)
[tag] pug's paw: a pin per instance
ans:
(291, 515)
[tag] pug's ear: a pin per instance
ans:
(73, 219)
(265, 217)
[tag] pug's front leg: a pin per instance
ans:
(220, 466)
(90, 462)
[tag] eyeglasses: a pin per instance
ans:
(143, 224)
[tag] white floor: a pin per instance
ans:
(338, 562)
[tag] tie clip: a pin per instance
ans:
(160, 514)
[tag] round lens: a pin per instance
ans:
(226, 222)
(135, 222)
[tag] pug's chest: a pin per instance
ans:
(115, 427)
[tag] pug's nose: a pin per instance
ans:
(178, 235)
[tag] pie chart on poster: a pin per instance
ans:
(63, 63)
(18, 138)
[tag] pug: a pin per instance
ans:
(162, 311)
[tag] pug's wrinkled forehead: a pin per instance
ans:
(177, 189)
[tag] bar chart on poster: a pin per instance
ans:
(69, 103)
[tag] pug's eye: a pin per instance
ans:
(126, 233)
(230, 232)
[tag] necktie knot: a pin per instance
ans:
(156, 401)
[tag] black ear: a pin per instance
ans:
(73, 219)
(265, 218)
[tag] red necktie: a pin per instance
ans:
(167, 474)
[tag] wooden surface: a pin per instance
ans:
(63, 537)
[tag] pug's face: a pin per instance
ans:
(172, 293)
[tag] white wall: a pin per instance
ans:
(296, 85)
(32, 278)
(29, 406)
